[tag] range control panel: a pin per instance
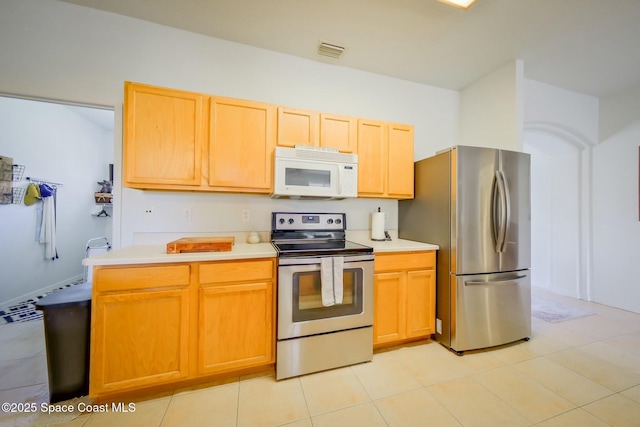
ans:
(308, 221)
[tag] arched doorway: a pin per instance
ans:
(560, 209)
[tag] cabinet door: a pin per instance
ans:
(164, 135)
(139, 339)
(339, 132)
(297, 127)
(389, 314)
(235, 326)
(420, 303)
(372, 158)
(400, 161)
(241, 147)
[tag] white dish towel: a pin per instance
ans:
(331, 270)
(48, 228)
(326, 281)
(338, 267)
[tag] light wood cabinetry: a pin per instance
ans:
(302, 127)
(385, 160)
(243, 136)
(339, 132)
(140, 327)
(389, 312)
(399, 161)
(297, 127)
(164, 137)
(372, 161)
(163, 324)
(177, 140)
(237, 305)
(404, 297)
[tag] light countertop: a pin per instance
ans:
(393, 245)
(153, 254)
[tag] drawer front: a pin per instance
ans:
(405, 261)
(141, 277)
(237, 271)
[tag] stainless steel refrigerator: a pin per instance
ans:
(475, 204)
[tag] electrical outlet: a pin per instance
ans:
(187, 214)
(148, 211)
(246, 215)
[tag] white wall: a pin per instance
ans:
(56, 144)
(555, 218)
(616, 225)
(618, 111)
(560, 129)
(62, 51)
(593, 224)
(491, 109)
(616, 188)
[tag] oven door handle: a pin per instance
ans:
(316, 260)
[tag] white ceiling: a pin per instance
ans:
(587, 46)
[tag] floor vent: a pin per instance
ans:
(330, 50)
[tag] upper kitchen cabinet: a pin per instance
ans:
(339, 132)
(165, 132)
(372, 144)
(297, 127)
(302, 127)
(385, 160)
(176, 140)
(243, 135)
(400, 161)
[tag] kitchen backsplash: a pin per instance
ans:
(159, 217)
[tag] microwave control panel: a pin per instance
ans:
(349, 180)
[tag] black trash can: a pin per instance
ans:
(67, 327)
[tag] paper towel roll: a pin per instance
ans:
(377, 226)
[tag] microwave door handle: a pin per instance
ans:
(338, 187)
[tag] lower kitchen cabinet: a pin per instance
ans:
(389, 313)
(139, 336)
(236, 304)
(404, 295)
(164, 324)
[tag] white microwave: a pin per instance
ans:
(308, 172)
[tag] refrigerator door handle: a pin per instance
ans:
(495, 282)
(507, 216)
(498, 212)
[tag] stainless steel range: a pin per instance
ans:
(325, 294)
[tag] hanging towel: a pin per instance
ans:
(48, 227)
(338, 267)
(326, 281)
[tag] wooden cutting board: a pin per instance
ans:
(200, 244)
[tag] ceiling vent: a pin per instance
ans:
(330, 50)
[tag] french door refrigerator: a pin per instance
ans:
(475, 204)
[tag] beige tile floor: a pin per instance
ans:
(582, 372)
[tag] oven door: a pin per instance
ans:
(300, 308)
